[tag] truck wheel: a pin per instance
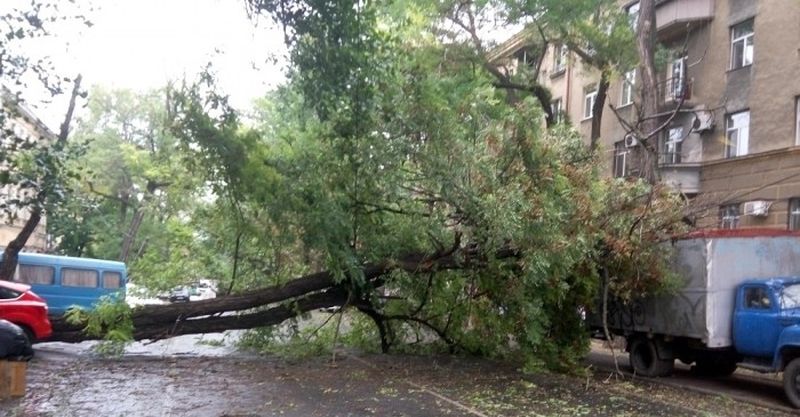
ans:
(645, 361)
(791, 382)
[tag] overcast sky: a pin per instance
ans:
(142, 44)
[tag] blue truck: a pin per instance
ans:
(738, 305)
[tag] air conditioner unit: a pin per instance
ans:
(630, 141)
(703, 121)
(756, 208)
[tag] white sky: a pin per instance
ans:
(143, 44)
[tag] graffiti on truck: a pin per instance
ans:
(679, 314)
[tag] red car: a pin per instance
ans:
(21, 306)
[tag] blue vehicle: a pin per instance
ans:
(65, 281)
(738, 306)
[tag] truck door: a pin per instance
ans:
(756, 326)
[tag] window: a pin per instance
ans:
(671, 146)
(8, 293)
(78, 277)
(560, 58)
(737, 134)
(676, 84)
(633, 15)
(628, 83)
(757, 297)
(112, 280)
(621, 159)
(35, 274)
(794, 213)
(525, 58)
(588, 102)
(555, 108)
(729, 216)
(797, 121)
(742, 44)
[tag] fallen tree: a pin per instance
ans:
(274, 305)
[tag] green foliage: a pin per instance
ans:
(601, 31)
(383, 145)
(110, 319)
(291, 342)
(386, 141)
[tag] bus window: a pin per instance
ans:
(112, 279)
(78, 277)
(35, 274)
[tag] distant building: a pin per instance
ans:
(23, 123)
(739, 147)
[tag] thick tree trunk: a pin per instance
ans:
(597, 110)
(130, 236)
(11, 252)
(283, 302)
(646, 45)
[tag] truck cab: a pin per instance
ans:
(766, 329)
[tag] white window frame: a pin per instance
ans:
(671, 149)
(621, 154)
(677, 79)
(737, 136)
(797, 120)
(794, 213)
(748, 38)
(589, 99)
(555, 108)
(628, 84)
(560, 59)
(729, 215)
(633, 15)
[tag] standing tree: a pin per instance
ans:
(32, 165)
(597, 32)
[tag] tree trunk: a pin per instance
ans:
(130, 236)
(299, 295)
(646, 44)
(597, 110)
(11, 252)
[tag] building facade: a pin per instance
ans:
(734, 68)
(24, 124)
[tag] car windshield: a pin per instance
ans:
(790, 296)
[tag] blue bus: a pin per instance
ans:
(65, 281)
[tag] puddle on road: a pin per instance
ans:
(205, 345)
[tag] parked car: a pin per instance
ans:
(14, 344)
(21, 306)
(179, 295)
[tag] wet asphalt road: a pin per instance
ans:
(760, 389)
(166, 379)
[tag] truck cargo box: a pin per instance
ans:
(710, 265)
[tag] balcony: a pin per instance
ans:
(674, 17)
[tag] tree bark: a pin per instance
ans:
(11, 252)
(597, 110)
(645, 44)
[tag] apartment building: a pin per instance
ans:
(24, 124)
(735, 67)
